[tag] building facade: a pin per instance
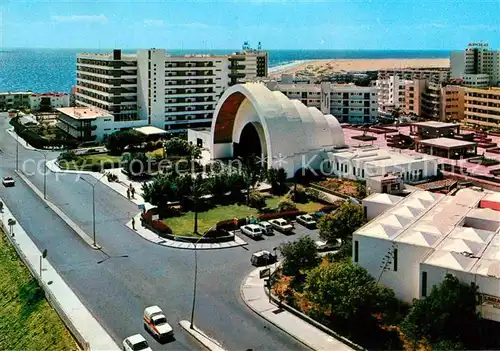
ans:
(436, 74)
(478, 65)
(11, 100)
(169, 92)
(49, 101)
(429, 235)
(391, 93)
(482, 107)
(413, 96)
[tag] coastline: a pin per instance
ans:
(313, 68)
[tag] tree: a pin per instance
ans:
(257, 200)
(252, 172)
(182, 148)
(118, 141)
(345, 291)
(135, 164)
(298, 256)
(447, 314)
(276, 178)
(341, 223)
(286, 205)
(161, 191)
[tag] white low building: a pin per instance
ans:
(49, 100)
(428, 235)
(366, 162)
(88, 124)
(200, 137)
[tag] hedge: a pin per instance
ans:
(288, 215)
(157, 226)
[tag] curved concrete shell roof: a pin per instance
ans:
(290, 128)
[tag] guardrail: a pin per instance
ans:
(48, 294)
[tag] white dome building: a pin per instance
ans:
(251, 119)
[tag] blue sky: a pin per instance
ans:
(278, 24)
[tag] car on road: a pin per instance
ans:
(8, 181)
(267, 228)
(307, 221)
(281, 225)
(325, 246)
(252, 230)
(136, 343)
(156, 323)
(263, 258)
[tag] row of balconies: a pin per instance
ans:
(202, 83)
(188, 91)
(188, 64)
(189, 74)
(189, 108)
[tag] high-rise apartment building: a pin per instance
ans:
(482, 107)
(151, 87)
(432, 74)
(391, 93)
(477, 65)
(347, 102)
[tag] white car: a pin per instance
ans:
(8, 181)
(307, 221)
(252, 230)
(156, 323)
(281, 225)
(324, 246)
(136, 343)
(267, 228)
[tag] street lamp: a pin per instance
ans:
(44, 173)
(93, 204)
(195, 273)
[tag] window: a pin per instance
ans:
(354, 170)
(365, 211)
(362, 173)
(424, 284)
(395, 259)
(356, 251)
(337, 166)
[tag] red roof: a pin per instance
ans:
(494, 205)
(50, 93)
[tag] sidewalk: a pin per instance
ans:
(254, 295)
(72, 311)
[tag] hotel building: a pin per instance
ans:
(477, 65)
(169, 92)
(482, 107)
(347, 102)
(391, 93)
(10, 100)
(436, 74)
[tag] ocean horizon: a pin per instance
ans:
(42, 70)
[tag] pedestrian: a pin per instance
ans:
(128, 194)
(133, 223)
(133, 192)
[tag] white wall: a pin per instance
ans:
(457, 64)
(157, 88)
(193, 135)
(373, 208)
(107, 126)
(55, 101)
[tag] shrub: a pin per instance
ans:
(256, 200)
(286, 206)
(285, 215)
(161, 227)
(67, 156)
(299, 195)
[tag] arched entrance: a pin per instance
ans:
(251, 141)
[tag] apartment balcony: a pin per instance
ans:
(182, 113)
(199, 103)
(95, 91)
(236, 75)
(236, 58)
(187, 86)
(187, 121)
(238, 67)
(196, 68)
(177, 95)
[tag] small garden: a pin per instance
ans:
(345, 298)
(43, 136)
(190, 204)
(344, 187)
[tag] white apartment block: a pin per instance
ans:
(50, 100)
(476, 60)
(174, 93)
(10, 100)
(430, 235)
(391, 93)
(435, 75)
(347, 102)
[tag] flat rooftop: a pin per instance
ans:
(447, 143)
(83, 112)
(435, 124)
(379, 156)
(150, 130)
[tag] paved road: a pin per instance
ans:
(117, 290)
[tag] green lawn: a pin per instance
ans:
(27, 322)
(85, 162)
(183, 225)
(155, 153)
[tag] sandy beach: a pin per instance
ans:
(326, 67)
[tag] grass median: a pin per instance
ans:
(27, 321)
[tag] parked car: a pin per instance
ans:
(263, 258)
(156, 323)
(307, 221)
(136, 343)
(324, 246)
(252, 230)
(8, 181)
(281, 225)
(267, 228)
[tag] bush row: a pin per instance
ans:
(157, 226)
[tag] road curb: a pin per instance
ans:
(18, 139)
(60, 213)
(263, 317)
(203, 338)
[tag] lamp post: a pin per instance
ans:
(93, 205)
(195, 274)
(17, 152)
(44, 173)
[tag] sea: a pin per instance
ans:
(44, 70)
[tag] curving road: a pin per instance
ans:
(117, 289)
